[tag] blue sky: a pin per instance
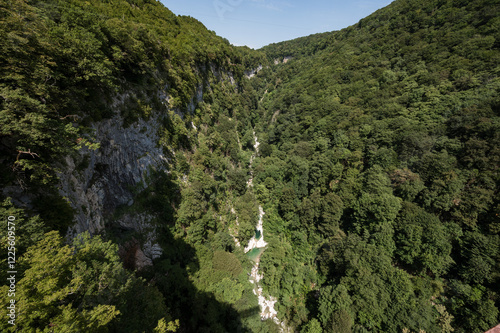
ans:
(256, 23)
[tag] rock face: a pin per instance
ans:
(267, 310)
(284, 60)
(251, 73)
(133, 256)
(122, 162)
(266, 304)
(96, 182)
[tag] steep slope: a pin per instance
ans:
(379, 171)
(122, 119)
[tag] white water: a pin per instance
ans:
(266, 304)
(257, 243)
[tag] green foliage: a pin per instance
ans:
(248, 216)
(479, 258)
(377, 168)
(237, 180)
(32, 229)
(391, 143)
(164, 327)
(445, 319)
(313, 326)
(82, 287)
(226, 261)
(230, 290)
(334, 301)
(56, 210)
(472, 306)
(422, 240)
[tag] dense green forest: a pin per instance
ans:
(377, 169)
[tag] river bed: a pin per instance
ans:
(256, 246)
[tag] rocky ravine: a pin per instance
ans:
(266, 303)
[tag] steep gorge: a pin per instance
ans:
(368, 157)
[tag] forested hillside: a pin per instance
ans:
(138, 155)
(380, 167)
(122, 119)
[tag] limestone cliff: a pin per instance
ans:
(115, 173)
(120, 164)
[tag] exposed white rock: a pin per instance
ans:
(254, 242)
(123, 160)
(266, 304)
(250, 74)
(151, 250)
(284, 60)
(256, 144)
(256, 147)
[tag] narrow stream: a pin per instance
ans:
(256, 246)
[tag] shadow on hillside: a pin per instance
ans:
(196, 310)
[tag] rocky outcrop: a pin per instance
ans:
(251, 73)
(133, 256)
(121, 163)
(284, 60)
(96, 182)
(266, 303)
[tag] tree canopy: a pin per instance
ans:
(377, 169)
